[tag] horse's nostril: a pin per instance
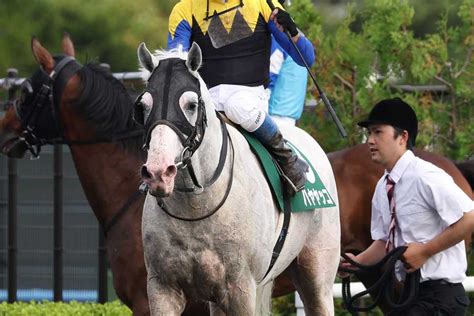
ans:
(170, 171)
(145, 173)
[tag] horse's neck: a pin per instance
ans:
(109, 176)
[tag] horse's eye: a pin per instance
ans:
(188, 102)
(190, 107)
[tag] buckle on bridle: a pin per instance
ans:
(32, 143)
(184, 158)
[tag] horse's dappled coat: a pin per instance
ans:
(223, 258)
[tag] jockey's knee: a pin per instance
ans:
(248, 120)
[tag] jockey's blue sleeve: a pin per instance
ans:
(181, 36)
(303, 44)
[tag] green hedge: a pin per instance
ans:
(60, 309)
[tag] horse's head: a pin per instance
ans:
(173, 112)
(33, 118)
(67, 103)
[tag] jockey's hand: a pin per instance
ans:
(344, 264)
(415, 256)
(284, 22)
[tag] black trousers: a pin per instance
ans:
(439, 298)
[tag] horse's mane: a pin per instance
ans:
(178, 52)
(467, 169)
(105, 102)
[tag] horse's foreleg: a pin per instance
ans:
(239, 299)
(215, 310)
(164, 300)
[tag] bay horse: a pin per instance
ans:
(90, 111)
(210, 221)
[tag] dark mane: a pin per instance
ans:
(467, 169)
(105, 103)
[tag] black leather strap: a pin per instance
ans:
(283, 233)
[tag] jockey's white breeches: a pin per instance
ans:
(245, 106)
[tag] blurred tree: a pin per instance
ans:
(358, 68)
(424, 20)
(108, 29)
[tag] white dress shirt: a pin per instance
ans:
(427, 201)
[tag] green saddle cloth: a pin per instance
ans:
(314, 195)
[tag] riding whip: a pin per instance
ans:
(326, 101)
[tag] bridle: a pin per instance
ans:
(46, 104)
(190, 136)
(42, 100)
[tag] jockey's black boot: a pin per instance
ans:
(294, 169)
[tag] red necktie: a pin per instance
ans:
(390, 186)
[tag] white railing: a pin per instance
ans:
(358, 287)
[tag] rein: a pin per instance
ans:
(226, 140)
(115, 218)
(384, 285)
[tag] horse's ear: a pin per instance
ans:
(68, 46)
(194, 60)
(145, 57)
(42, 56)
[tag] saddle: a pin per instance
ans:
(314, 195)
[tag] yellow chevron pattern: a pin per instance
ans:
(186, 9)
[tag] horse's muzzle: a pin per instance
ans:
(14, 148)
(160, 183)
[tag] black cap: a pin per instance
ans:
(394, 112)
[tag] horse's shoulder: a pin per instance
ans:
(354, 163)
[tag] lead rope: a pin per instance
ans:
(383, 287)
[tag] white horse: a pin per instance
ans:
(211, 236)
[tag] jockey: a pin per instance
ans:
(235, 38)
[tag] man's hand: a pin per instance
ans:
(347, 265)
(284, 22)
(415, 256)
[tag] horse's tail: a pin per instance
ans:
(264, 299)
(467, 169)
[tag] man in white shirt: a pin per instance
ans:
(418, 205)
